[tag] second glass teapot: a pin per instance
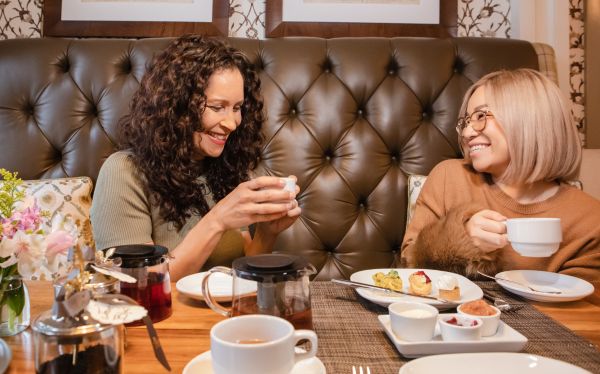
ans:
(274, 284)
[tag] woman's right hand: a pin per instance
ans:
(257, 200)
(487, 229)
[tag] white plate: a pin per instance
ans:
(490, 363)
(469, 291)
(5, 355)
(506, 339)
(202, 364)
(219, 284)
(572, 288)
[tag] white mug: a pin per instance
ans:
(257, 344)
(534, 237)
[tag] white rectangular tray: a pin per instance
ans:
(506, 339)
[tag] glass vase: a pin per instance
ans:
(14, 306)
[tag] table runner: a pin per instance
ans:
(350, 333)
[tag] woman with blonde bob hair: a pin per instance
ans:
(520, 147)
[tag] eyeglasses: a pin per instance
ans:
(477, 120)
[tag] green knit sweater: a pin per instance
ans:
(122, 214)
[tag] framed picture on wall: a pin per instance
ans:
(133, 18)
(339, 18)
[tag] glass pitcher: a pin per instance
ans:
(274, 284)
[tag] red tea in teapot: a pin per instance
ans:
(155, 296)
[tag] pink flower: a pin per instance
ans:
(58, 242)
(29, 219)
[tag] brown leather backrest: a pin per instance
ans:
(350, 117)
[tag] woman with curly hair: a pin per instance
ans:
(181, 179)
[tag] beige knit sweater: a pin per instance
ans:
(436, 237)
(122, 214)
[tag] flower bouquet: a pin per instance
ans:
(32, 246)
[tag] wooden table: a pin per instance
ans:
(186, 333)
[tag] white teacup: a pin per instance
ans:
(290, 184)
(534, 237)
(257, 344)
(413, 321)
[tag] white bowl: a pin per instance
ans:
(490, 323)
(462, 332)
(412, 321)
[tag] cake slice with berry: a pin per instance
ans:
(419, 283)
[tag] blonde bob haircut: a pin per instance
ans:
(543, 141)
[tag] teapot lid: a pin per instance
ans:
(275, 267)
(140, 255)
(83, 324)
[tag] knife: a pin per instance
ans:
(387, 290)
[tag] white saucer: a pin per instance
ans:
(202, 364)
(506, 339)
(572, 288)
(219, 284)
(490, 363)
(469, 291)
(5, 355)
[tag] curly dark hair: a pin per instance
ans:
(166, 111)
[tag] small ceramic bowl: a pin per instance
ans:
(465, 329)
(490, 323)
(413, 321)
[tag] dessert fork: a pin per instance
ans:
(360, 370)
(546, 289)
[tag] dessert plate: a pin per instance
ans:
(5, 355)
(469, 291)
(202, 364)
(219, 284)
(571, 288)
(506, 339)
(494, 363)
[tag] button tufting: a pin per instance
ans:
(293, 112)
(359, 112)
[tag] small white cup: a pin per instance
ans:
(490, 323)
(290, 185)
(464, 332)
(534, 237)
(257, 344)
(413, 321)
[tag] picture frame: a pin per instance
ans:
(178, 22)
(277, 27)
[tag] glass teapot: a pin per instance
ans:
(149, 265)
(274, 284)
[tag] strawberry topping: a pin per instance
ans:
(421, 272)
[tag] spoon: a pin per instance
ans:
(537, 288)
(502, 304)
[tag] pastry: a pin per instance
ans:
(420, 283)
(448, 287)
(390, 280)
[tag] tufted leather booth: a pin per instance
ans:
(351, 117)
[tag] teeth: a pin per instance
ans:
(478, 147)
(218, 136)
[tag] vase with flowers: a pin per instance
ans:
(33, 245)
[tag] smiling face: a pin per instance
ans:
(488, 149)
(223, 112)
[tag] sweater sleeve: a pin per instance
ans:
(436, 237)
(120, 212)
